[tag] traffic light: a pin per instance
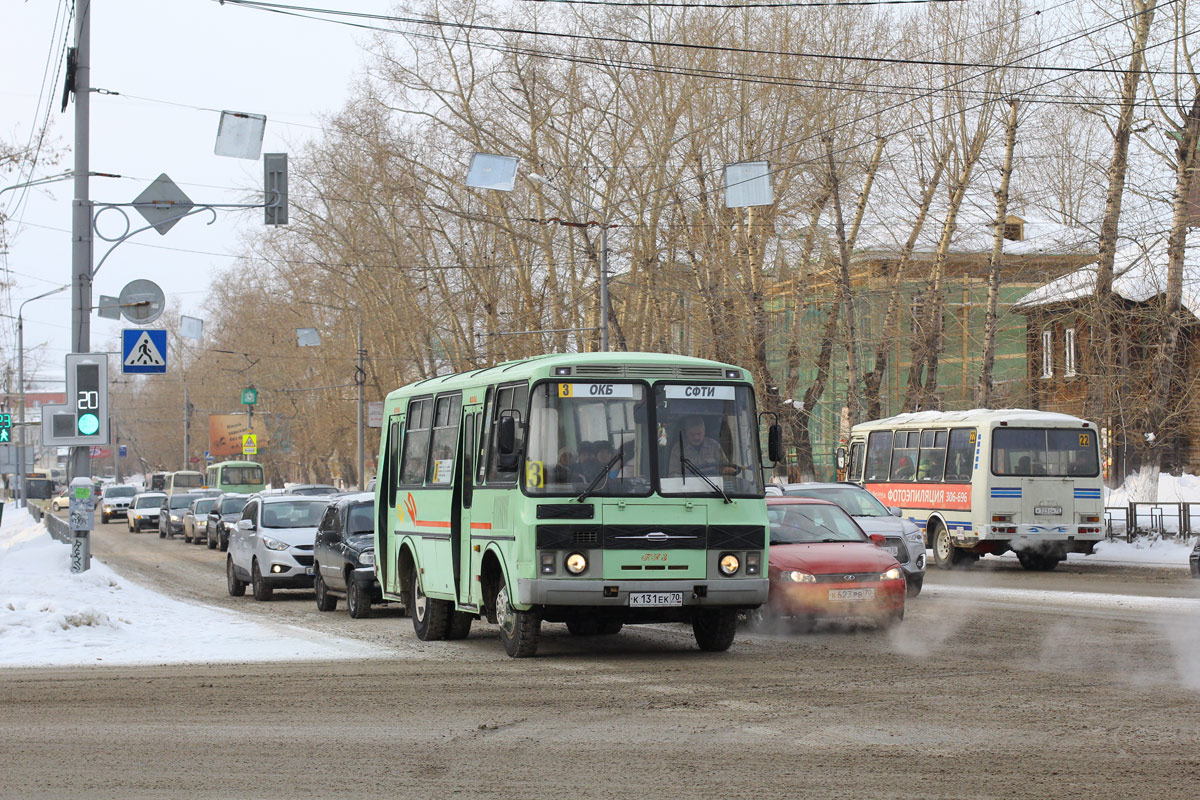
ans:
(83, 420)
(5, 428)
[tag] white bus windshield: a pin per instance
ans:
(1049, 452)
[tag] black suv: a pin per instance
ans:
(345, 555)
(224, 513)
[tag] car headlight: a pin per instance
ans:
(893, 574)
(797, 576)
(174, 518)
(274, 544)
(367, 558)
(915, 536)
(729, 564)
(576, 563)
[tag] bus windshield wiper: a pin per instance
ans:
(620, 456)
(687, 462)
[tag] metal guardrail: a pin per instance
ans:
(58, 528)
(1165, 520)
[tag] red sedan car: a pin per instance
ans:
(822, 566)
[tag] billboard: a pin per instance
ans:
(225, 433)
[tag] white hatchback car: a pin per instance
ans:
(271, 546)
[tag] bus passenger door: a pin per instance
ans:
(464, 487)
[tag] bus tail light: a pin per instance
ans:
(1004, 528)
(1001, 517)
(1089, 518)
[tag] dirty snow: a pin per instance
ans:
(49, 617)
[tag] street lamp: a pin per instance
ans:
(21, 502)
(490, 171)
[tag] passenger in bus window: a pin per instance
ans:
(563, 469)
(585, 467)
(702, 451)
(904, 469)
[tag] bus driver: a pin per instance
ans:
(702, 451)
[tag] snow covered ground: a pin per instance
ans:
(49, 617)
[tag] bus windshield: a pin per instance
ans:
(241, 476)
(707, 434)
(1050, 452)
(584, 432)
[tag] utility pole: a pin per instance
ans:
(80, 464)
(360, 377)
(187, 429)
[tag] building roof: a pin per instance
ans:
(1040, 238)
(1140, 273)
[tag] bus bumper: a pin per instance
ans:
(738, 592)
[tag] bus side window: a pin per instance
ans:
(445, 439)
(904, 455)
(481, 460)
(856, 461)
(416, 441)
(879, 453)
(392, 454)
(508, 398)
(960, 454)
(932, 461)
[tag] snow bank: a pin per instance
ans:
(1171, 489)
(49, 617)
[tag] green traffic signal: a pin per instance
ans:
(88, 424)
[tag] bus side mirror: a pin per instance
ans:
(506, 444)
(841, 458)
(775, 443)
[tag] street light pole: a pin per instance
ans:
(360, 377)
(81, 217)
(21, 385)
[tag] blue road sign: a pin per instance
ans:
(145, 350)
(124, 451)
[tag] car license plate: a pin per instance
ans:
(892, 550)
(850, 595)
(655, 599)
(309, 571)
(1048, 510)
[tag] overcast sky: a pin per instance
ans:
(195, 53)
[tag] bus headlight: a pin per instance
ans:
(729, 564)
(576, 563)
(893, 574)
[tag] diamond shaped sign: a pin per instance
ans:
(163, 204)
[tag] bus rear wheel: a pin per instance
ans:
(519, 630)
(430, 616)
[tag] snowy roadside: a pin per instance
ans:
(49, 617)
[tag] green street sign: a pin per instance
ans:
(249, 397)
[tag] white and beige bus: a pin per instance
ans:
(986, 481)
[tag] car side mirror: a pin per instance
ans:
(895, 511)
(245, 525)
(878, 539)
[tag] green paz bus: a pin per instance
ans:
(593, 489)
(235, 477)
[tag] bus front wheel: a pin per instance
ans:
(715, 628)
(430, 616)
(945, 554)
(519, 630)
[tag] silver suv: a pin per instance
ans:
(114, 502)
(904, 540)
(271, 546)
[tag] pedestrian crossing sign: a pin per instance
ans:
(144, 350)
(249, 444)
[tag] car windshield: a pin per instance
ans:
(854, 501)
(120, 491)
(711, 431)
(180, 501)
(361, 519)
(203, 506)
(233, 505)
(187, 480)
(796, 524)
(293, 514)
(148, 501)
(312, 491)
(588, 434)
